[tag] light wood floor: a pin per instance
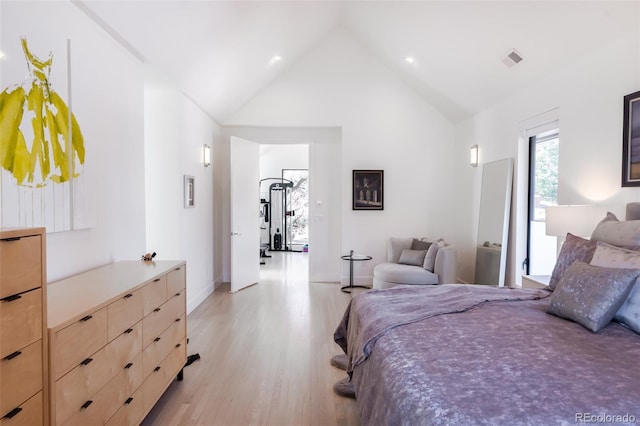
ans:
(265, 354)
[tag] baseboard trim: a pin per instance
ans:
(198, 298)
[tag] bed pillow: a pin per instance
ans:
(430, 259)
(615, 257)
(412, 257)
(591, 295)
(574, 248)
(420, 244)
(623, 234)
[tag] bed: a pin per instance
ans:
(465, 354)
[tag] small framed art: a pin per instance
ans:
(189, 192)
(631, 141)
(368, 190)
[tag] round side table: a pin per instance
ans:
(353, 258)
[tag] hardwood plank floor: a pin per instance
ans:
(265, 354)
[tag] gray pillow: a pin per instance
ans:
(395, 247)
(611, 230)
(591, 295)
(615, 257)
(412, 257)
(430, 259)
(574, 248)
(420, 245)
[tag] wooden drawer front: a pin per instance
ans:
(20, 321)
(21, 265)
(76, 387)
(176, 359)
(130, 413)
(21, 374)
(107, 400)
(176, 280)
(124, 313)
(28, 414)
(77, 342)
(154, 294)
(161, 318)
(159, 349)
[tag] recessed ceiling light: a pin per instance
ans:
(275, 59)
(410, 60)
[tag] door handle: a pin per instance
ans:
(235, 233)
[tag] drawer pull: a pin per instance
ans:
(178, 345)
(128, 330)
(11, 414)
(12, 298)
(156, 280)
(11, 239)
(128, 401)
(126, 296)
(128, 366)
(157, 339)
(86, 405)
(87, 318)
(178, 268)
(178, 294)
(178, 319)
(156, 310)
(86, 361)
(12, 356)
(156, 369)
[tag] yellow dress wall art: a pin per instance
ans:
(41, 145)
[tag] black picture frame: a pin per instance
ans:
(368, 190)
(631, 141)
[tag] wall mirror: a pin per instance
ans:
(493, 223)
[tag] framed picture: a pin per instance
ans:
(631, 141)
(368, 190)
(189, 192)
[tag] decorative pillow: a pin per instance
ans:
(430, 258)
(412, 257)
(611, 230)
(395, 247)
(591, 295)
(420, 245)
(615, 257)
(574, 248)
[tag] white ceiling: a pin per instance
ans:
(219, 52)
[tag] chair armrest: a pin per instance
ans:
(446, 264)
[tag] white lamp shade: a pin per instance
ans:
(578, 220)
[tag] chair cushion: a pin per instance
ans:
(404, 274)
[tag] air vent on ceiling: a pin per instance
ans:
(513, 57)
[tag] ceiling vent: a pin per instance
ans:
(513, 57)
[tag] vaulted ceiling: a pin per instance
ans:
(222, 53)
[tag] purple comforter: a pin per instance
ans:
(502, 361)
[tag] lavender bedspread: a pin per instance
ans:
(498, 362)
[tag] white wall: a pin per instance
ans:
(175, 133)
(588, 95)
(274, 158)
(136, 189)
(385, 125)
(108, 103)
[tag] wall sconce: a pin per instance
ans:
(206, 155)
(473, 156)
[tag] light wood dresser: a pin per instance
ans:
(23, 343)
(117, 339)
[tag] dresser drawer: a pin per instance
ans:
(20, 321)
(103, 404)
(123, 313)
(81, 383)
(76, 342)
(130, 413)
(154, 324)
(159, 349)
(176, 280)
(21, 264)
(154, 294)
(21, 374)
(28, 414)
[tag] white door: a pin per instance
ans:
(245, 213)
